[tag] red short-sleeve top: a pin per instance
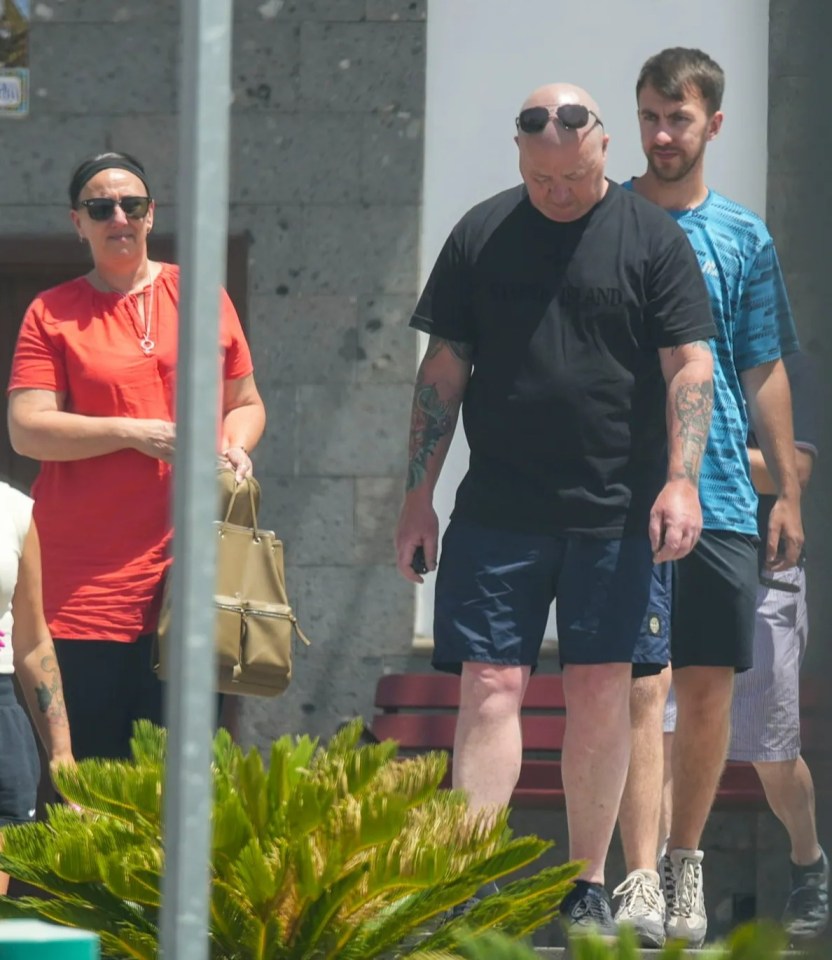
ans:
(104, 522)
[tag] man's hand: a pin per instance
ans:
(418, 527)
(675, 521)
(784, 543)
(767, 393)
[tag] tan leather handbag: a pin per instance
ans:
(255, 625)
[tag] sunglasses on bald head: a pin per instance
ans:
(570, 116)
(104, 208)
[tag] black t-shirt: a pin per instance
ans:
(803, 383)
(565, 410)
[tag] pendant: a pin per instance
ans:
(147, 345)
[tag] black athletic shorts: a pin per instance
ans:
(19, 761)
(715, 602)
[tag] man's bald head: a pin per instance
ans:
(562, 164)
(554, 95)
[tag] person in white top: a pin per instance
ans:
(26, 649)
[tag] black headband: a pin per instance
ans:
(88, 170)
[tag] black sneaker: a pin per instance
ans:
(588, 909)
(462, 908)
(807, 910)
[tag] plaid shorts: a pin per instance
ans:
(765, 714)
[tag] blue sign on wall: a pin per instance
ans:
(14, 58)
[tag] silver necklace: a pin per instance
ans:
(146, 343)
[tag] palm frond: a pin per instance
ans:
(256, 875)
(127, 932)
(148, 745)
(337, 852)
(317, 919)
(115, 789)
(491, 946)
(232, 828)
(231, 913)
(136, 876)
(762, 940)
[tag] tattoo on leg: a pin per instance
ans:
(431, 420)
(694, 404)
(50, 696)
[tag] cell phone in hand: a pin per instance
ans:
(417, 564)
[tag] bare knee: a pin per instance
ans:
(777, 774)
(648, 696)
(602, 688)
(704, 693)
(492, 690)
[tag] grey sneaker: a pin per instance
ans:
(807, 910)
(642, 906)
(686, 917)
(462, 908)
(588, 909)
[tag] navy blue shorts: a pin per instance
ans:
(19, 761)
(494, 589)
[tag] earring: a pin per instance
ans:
(80, 238)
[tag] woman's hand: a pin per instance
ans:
(154, 438)
(59, 760)
(235, 458)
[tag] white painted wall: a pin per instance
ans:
(485, 56)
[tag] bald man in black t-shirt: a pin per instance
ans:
(567, 319)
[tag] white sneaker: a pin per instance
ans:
(686, 917)
(642, 906)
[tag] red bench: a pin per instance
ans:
(419, 711)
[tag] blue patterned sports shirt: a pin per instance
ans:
(754, 326)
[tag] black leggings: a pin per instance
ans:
(107, 687)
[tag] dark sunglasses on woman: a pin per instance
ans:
(104, 208)
(571, 116)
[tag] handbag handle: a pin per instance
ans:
(253, 507)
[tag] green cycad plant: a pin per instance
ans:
(760, 940)
(341, 851)
(755, 941)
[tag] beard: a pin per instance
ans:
(676, 173)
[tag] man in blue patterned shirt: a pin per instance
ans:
(679, 93)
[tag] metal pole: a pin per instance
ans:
(191, 702)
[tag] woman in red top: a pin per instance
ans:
(92, 395)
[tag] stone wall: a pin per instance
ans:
(326, 168)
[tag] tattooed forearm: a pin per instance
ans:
(693, 404)
(431, 420)
(462, 351)
(49, 692)
(696, 344)
(440, 386)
